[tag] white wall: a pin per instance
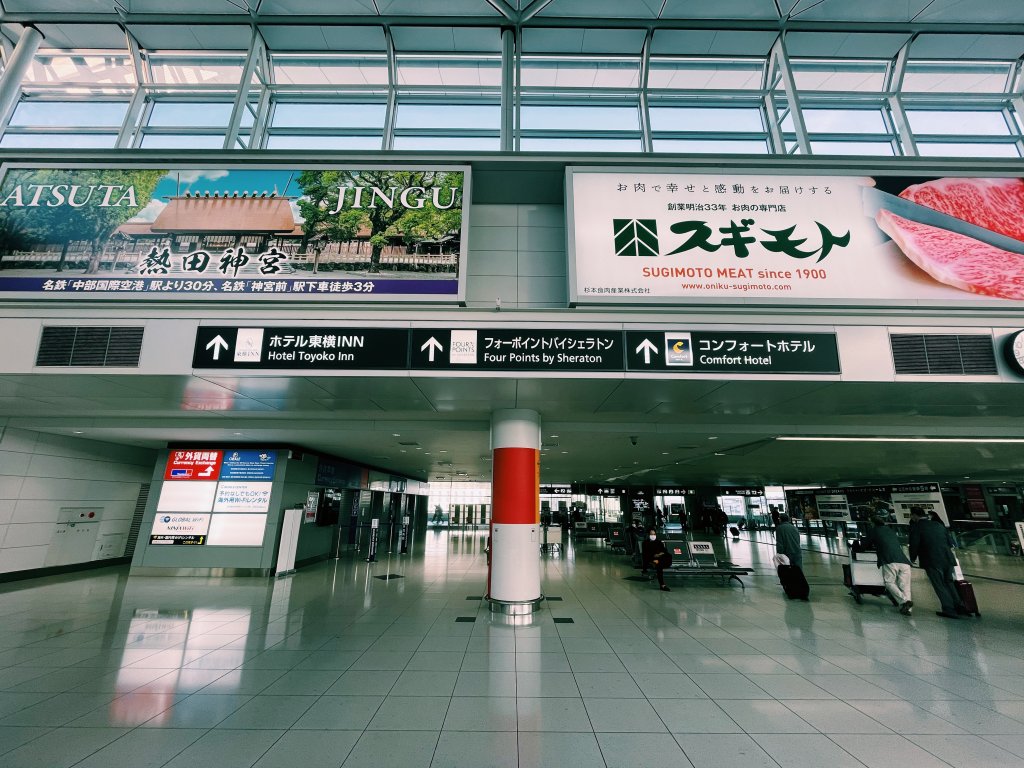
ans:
(41, 473)
(517, 254)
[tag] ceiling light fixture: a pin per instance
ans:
(794, 438)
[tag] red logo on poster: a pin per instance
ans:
(193, 465)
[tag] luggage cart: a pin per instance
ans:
(863, 576)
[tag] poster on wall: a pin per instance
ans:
(861, 503)
(668, 237)
(203, 488)
(318, 234)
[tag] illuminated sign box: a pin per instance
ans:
(241, 530)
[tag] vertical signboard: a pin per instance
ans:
(214, 497)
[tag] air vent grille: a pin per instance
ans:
(90, 345)
(943, 354)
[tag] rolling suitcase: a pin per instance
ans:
(794, 582)
(966, 592)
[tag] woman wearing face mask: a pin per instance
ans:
(656, 556)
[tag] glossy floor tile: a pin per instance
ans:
(330, 667)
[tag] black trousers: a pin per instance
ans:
(943, 583)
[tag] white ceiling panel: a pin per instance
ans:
(862, 10)
(972, 11)
(674, 42)
(437, 8)
(190, 7)
(314, 7)
(341, 39)
(975, 47)
(105, 36)
(57, 6)
(165, 37)
(446, 39)
(845, 45)
(596, 41)
(629, 9)
(720, 9)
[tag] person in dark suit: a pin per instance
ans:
(656, 556)
(929, 543)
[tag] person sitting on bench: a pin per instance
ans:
(656, 556)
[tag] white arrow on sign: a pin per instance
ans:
(431, 345)
(218, 344)
(647, 347)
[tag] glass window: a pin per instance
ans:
(841, 76)
(334, 70)
(324, 115)
(457, 116)
(727, 119)
(577, 118)
(950, 122)
(578, 144)
(852, 148)
(91, 68)
(844, 121)
(197, 70)
(286, 141)
(70, 114)
(711, 146)
(449, 143)
(444, 71)
(189, 114)
(949, 149)
(956, 77)
(573, 72)
(705, 74)
(59, 140)
(181, 141)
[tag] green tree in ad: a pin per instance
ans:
(326, 219)
(62, 206)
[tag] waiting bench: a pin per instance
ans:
(697, 558)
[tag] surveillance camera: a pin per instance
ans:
(633, 439)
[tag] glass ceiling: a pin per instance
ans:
(528, 85)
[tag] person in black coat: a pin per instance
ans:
(929, 543)
(656, 556)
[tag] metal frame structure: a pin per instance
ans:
(250, 101)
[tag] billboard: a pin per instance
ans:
(670, 237)
(264, 233)
(860, 503)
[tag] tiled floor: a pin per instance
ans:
(332, 667)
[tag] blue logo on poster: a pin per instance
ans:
(248, 465)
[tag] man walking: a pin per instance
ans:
(787, 541)
(929, 543)
(894, 564)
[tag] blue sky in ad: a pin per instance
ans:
(283, 182)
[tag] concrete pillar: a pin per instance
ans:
(513, 579)
(17, 67)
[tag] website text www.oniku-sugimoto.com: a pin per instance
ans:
(734, 287)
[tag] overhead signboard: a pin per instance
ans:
(728, 351)
(193, 465)
(301, 348)
(564, 350)
(858, 503)
(668, 237)
(517, 349)
(269, 234)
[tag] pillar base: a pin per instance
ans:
(515, 607)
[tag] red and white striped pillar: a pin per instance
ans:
(513, 581)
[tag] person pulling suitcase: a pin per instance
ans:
(791, 573)
(929, 543)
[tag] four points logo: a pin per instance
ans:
(636, 237)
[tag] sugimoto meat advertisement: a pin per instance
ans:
(672, 237)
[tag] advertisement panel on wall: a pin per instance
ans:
(230, 484)
(320, 234)
(861, 503)
(669, 237)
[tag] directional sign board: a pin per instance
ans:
(301, 348)
(732, 352)
(510, 349)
